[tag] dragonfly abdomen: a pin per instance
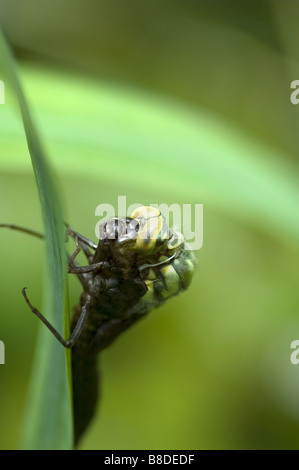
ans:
(167, 278)
(107, 319)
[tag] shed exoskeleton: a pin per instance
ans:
(138, 264)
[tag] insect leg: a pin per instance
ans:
(23, 229)
(75, 254)
(86, 251)
(83, 242)
(80, 237)
(69, 343)
(88, 269)
(144, 266)
(83, 278)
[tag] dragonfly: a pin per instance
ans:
(138, 264)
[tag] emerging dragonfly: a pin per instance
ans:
(137, 265)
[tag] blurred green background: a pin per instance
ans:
(176, 102)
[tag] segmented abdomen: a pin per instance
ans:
(166, 280)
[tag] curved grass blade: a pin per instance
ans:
(48, 417)
(191, 154)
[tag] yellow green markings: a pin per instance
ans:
(149, 296)
(172, 281)
(152, 225)
(185, 269)
(166, 264)
(151, 275)
(189, 272)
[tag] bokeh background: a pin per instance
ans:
(177, 102)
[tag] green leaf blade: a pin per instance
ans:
(48, 416)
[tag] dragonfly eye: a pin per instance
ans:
(120, 229)
(113, 229)
(129, 229)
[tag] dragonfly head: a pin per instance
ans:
(144, 242)
(144, 233)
